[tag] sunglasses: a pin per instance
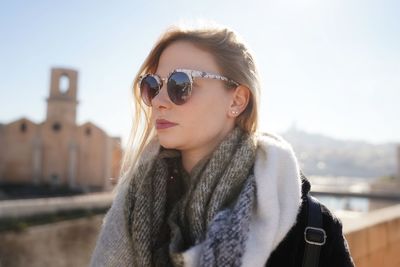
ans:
(179, 84)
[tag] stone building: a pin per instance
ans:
(58, 151)
(398, 163)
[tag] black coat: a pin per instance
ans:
(334, 253)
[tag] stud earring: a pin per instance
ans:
(234, 112)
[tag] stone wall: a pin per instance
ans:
(374, 238)
(63, 244)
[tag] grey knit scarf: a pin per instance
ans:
(214, 210)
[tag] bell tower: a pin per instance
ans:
(62, 101)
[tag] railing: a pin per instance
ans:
(29, 207)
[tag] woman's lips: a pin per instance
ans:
(164, 124)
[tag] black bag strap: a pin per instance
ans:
(314, 235)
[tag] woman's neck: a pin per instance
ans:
(191, 157)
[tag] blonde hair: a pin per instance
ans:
(230, 54)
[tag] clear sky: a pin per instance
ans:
(331, 67)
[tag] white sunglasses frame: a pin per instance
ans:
(191, 74)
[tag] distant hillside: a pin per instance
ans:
(322, 155)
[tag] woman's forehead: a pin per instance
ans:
(185, 55)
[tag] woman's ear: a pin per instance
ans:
(240, 99)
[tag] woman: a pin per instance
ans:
(205, 189)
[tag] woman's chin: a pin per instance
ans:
(167, 143)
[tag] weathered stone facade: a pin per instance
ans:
(398, 162)
(58, 151)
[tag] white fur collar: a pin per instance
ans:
(278, 200)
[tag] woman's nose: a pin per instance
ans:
(161, 100)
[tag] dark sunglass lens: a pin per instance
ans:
(179, 87)
(148, 89)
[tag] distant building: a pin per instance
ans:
(398, 162)
(58, 151)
